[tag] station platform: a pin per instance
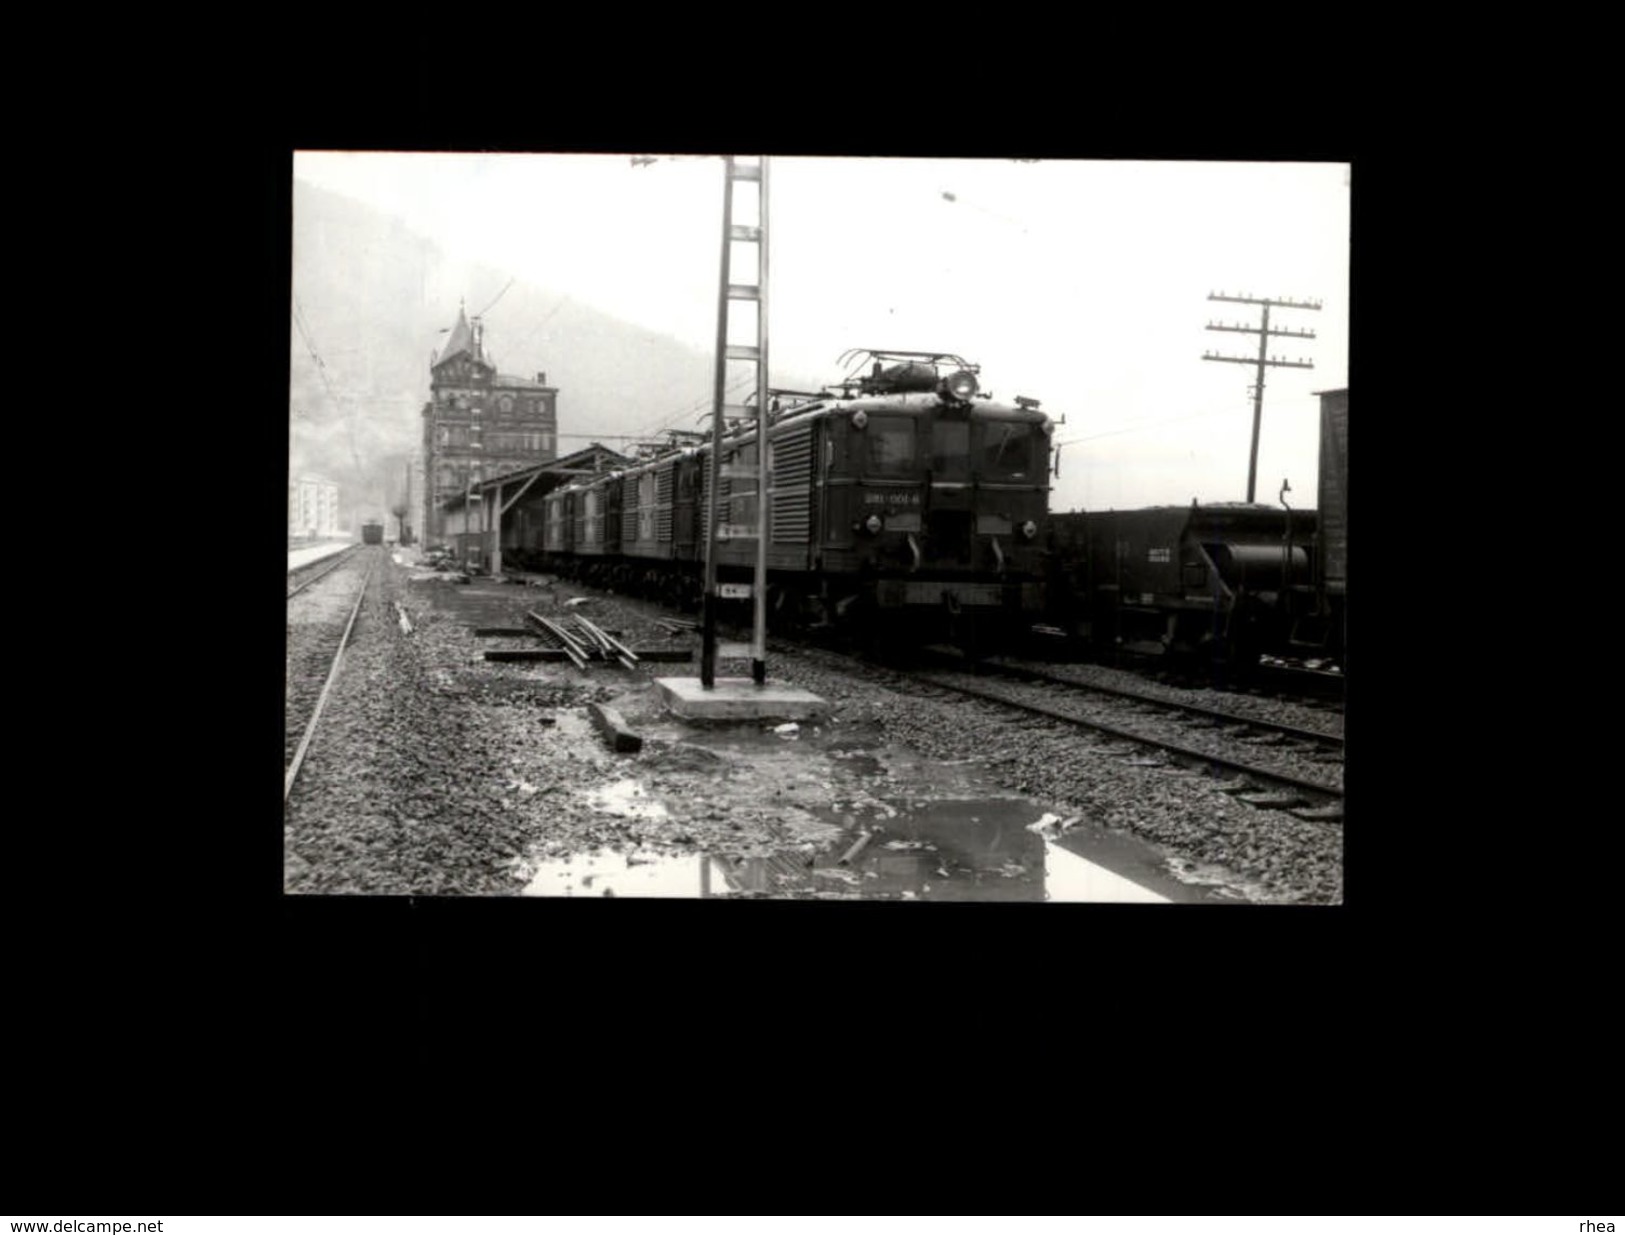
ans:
(739, 699)
(315, 553)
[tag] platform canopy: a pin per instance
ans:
(542, 477)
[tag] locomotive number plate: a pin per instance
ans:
(903, 498)
(734, 591)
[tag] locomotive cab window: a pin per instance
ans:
(888, 446)
(1007, 450)
(950, 447)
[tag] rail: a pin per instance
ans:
(292, 772)
(319, 569)
(1315, 790)
(1030, 674)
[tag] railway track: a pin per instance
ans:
(301, 577)
(1276, 772)
(304, 667)
(1272, 763)
(1291, 682)
(1032, 673)
(1259, 781)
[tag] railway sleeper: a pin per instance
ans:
(1320, 814)
(1280, 799)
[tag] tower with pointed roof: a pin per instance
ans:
(479, 422)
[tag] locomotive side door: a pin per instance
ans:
(835, 489)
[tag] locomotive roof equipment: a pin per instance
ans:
(910, 372)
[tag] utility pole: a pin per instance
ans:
(1261, 361)
(735, 171)
(753, 353)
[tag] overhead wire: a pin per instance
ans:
(302, 325)
(550, 315)
(698, 406)
(1156, 424)
(500, 295)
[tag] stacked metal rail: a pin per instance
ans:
(587, 641)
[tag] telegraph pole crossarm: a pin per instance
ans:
(1261, 361)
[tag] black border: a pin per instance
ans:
(898, 957)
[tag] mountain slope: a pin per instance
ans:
(371, 303)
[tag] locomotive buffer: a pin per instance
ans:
(739, 698)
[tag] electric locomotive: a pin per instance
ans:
(901, 500)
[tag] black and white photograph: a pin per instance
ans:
(769, 527)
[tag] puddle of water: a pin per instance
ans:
(985, 849)
(1222, 883)
(937, 832)
(844, 756)
(1069, 877)
(627, 799)
(858, 764)
(611, 873)
(967, 849)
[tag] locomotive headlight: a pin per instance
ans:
(860, 418)
(1029, 529)
(962, 385)
(874, 524)
(1049, 427)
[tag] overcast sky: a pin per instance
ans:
(1082, 284)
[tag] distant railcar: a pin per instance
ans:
(372, 533)
(1193, 582)
(1321, 617)
(1221, 583)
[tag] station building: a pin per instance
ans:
(478, 423)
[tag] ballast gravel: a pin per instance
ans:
(437, 772)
